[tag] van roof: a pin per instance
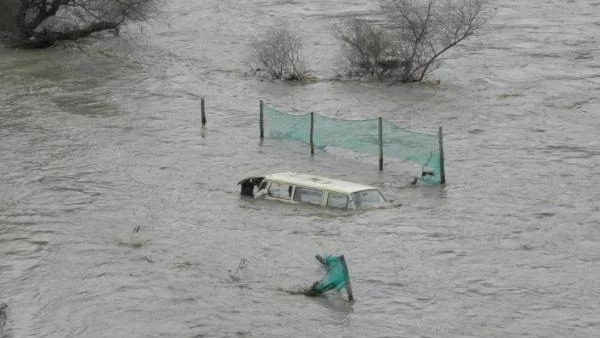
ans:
(318, 182)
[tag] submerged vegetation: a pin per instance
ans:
(408, 43)
(405, 45)
(278, 54)
(42, 23)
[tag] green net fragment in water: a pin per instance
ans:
(336, 276)
(359, 135)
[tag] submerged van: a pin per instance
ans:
(311, 189)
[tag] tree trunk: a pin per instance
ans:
(46, 39)
(20, 24)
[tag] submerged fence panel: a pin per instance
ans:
(361, 136)
(286, 126)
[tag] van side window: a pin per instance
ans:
(336, 200)
(278, 190)
(367, 198)
(310, 196)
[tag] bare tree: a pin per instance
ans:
(425, 31)
(278, 53)
(368, 49)
(40, 23)
(417, 33)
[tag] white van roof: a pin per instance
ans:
(318, 182)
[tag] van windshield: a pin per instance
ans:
(367, 198)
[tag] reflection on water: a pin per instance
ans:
(100, 137)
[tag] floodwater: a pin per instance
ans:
(102, 136)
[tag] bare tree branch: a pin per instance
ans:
(418, 32)
(278, 53)
(42, 22)
(367, 48)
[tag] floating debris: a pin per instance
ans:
(321, 260)
(235, 275)
(336, 278)
(133, 243)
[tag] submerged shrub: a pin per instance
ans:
(278, 54)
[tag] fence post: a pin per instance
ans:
(348, 286)
(312, 129)
(380, 144)
(202, 112)
(442, 170)
(262, 130)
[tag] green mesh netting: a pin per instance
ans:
(358, 135)
(336, 276)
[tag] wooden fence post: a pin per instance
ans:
(262, 130)
(202, 111)
(442, 169)
(348, 285)
(312, 129)
(380, 144)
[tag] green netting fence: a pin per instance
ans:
(372, 136)
(336, 277)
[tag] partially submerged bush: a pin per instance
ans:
(368, 49)
(278, 54)
(414, 37)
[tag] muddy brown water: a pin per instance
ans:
(104, 135)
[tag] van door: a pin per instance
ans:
(337, 200)
(308, 195)
(280, 191)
